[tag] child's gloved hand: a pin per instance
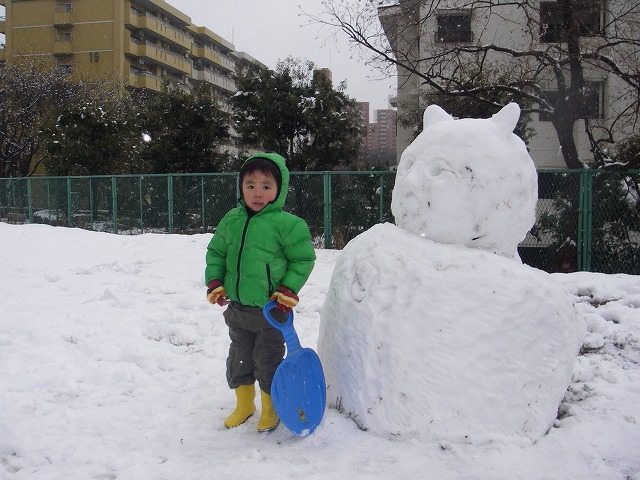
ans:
(216, 293)
(286, 299)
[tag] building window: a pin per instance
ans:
(64, 8)
(65, 68)
(454, 26)
(554, 20)
(592, 101)
(64, 36)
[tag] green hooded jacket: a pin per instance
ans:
(254, 254)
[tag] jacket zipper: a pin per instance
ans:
(244, 235)
(269, 284)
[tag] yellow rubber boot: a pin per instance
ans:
(244, 406)
(269, 418)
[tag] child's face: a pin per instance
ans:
(258, 189)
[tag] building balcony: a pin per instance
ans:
(145, 21)
(224, 106)
(142, 79)
(62, 48)
(62, 19)
(214, 78)
(160, 55)
(207, 53)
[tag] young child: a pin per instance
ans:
(258, 253)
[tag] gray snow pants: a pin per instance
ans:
(256, 347)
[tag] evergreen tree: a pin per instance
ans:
(298, 114)
(89, 138)
(334, 130)
(183, 132)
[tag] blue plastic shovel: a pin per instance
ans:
(298, 390)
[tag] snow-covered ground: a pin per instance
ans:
(112, 366)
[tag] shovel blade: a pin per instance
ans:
(298, 392)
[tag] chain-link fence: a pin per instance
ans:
(587, 219)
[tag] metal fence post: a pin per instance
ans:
(580, 235)
(327, 209)
(114, 203)
(170, 201)
(140, 203)
(30, 199)
(49, 200)
(13, 195)
(381, 217)
(587, 223)
(69, 206)
(202, 209)
(91, 200)
(585, 210)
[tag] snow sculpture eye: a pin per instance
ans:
(435, 169)
(407, 165)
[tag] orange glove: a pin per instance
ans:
(286, 299)
(216, 293)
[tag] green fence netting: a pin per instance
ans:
(586, 219)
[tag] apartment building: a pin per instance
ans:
(379, 143)
(417, 30)
(383, 136)
(139, 43)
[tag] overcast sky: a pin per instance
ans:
(271, 30)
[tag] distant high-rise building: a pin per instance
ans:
(384, 137)
(379, 143)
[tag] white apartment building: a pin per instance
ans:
(416, 29)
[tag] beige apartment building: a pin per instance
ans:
(140, 43)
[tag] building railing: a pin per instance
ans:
(167, 25)
(209, 76)
(587, 220)
(160, 27)
(213, 55)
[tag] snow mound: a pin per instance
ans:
(420, 339)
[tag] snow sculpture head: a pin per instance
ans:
(469, 182)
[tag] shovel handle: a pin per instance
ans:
(288, 332)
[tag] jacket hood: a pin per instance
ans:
(280, 162)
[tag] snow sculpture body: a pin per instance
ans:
(434, 328)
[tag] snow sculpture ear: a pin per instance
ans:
(507, 118)
(434, 114)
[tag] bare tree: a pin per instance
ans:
(33, 93)
(28, 92)
(550, 56)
